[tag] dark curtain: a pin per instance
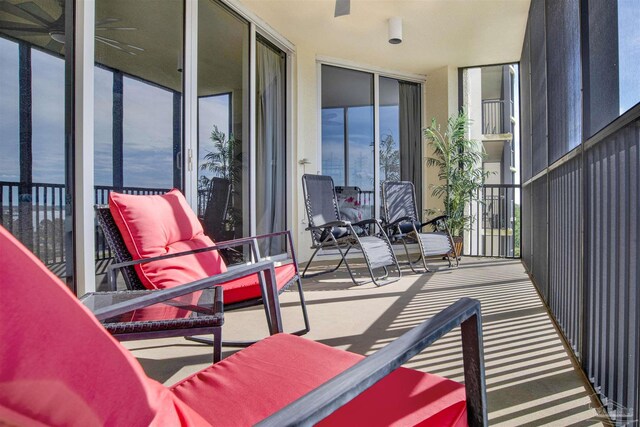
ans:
(411, 138)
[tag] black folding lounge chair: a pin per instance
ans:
(215, 212)
(402, 224)
(328, 230)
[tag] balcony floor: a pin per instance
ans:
(530, 377)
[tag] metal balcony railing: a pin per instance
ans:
(36, 217)
(495, 228)
(493, 116)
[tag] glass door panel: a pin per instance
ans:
(348, 138)
(223, 136)
(138, 101)
(36, 85)
(389, 129)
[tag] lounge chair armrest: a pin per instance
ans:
(322, 401)
(399, 221)
(329, 224)
(367, 222)
(434, 220)
(234, 272)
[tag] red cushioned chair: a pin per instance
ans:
(158, 243)
(60, 367)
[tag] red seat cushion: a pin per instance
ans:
(247, 288)
(160, 225)
(59, 366)
(256, 382)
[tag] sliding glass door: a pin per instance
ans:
(349, 149)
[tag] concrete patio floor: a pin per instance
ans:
(531, 380)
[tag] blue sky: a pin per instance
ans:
(629, 53)
(360, 142)
(212, 111)
(9, 119)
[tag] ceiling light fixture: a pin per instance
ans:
(395, 30)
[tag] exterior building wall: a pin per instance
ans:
(472, 100)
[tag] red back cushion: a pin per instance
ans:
(160, 225)
(59, 366)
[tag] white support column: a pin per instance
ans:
(83, 162)
(252, 130)
(376, 146)
(318, 167)
(190, 77)
(291, 146)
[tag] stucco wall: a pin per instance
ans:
(307, 144)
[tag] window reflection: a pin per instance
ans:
(389, 130)
(35, 183)
(333, 144)
(138, 102)
(223, 136)
(629, 53)
(148, 131)
(348, 136)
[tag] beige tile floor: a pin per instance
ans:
(531, 380)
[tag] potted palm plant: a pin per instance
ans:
(459, 163)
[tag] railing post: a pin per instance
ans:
(474, 375)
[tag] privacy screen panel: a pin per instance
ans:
(564, 89)
(612, 235)
(525, 238)
(539, 235)
(611, 61)
(565, 249)
(538, 87)
(525, 108)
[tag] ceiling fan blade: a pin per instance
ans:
(116, 28)
(343, 7)
(54, 46)
(14, 10)
(15, 26)
(107, 21)
(119, 45)
(114, 46)
(37, 12)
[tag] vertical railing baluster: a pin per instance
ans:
(61, 198)
(48, 224)
(13, 190)
(479, 222)
(2, 204)
(35, 195)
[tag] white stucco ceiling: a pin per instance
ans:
(459, 33)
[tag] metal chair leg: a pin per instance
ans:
(331, 270)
